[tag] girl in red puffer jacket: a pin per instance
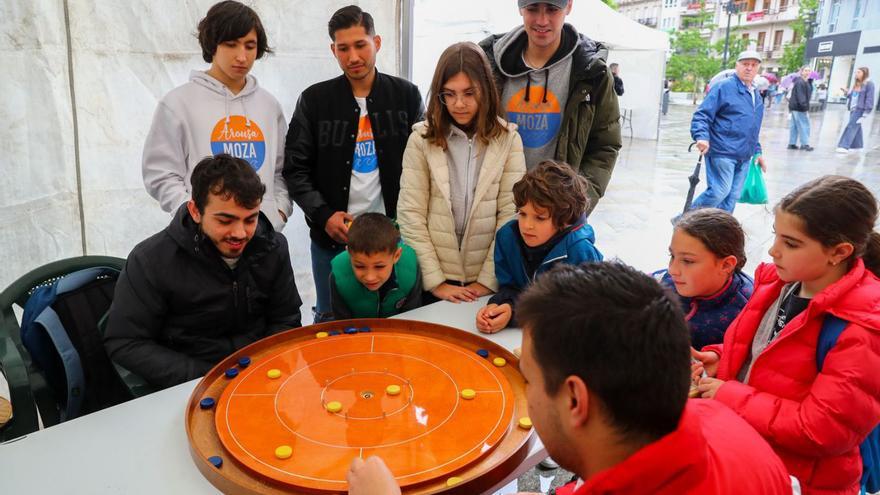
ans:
(825, 259)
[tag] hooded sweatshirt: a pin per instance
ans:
(203, 118)
(535, 98)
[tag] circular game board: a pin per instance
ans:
(310, 400)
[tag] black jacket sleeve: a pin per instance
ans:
(300, 158)
(800, 96)
(340, 309)
(603, 143)
(284, 301)
(414, 298)
(618, 85)
(134, 327)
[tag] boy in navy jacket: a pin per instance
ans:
(550, 228)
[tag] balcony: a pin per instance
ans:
(648, 21)
(766, 16)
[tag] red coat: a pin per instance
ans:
(712, 452)
(814, 421)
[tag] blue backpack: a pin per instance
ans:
(832, 327)
(59, 329)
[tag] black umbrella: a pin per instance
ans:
(694, 179)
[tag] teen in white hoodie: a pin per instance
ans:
(221, 110)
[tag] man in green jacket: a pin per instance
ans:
(556, 87)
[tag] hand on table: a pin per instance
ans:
(337, 226)
(454, 293)
(493, 318)
(479, 289)
(370, 477)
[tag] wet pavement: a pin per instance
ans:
(650, 182)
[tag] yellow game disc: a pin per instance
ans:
(453, 481)
(321, 335)
(334, 407)
(392, 389)
(273, 373)
(468, 394)
(525, 423)
(283, 452)
(499, 361)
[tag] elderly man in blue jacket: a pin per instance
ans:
(726, 128)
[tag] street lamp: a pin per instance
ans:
(731, 8)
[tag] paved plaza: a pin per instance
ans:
(650, 182)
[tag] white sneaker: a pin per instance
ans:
(549, 463)
(842, 150)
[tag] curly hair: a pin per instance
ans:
(556, 187)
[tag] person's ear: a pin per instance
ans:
(194, 211)
(333, 49)
(397, 254)
(377, 40)
(840, 252)
(577, 399)
(728, 264)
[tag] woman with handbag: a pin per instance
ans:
(860, 100)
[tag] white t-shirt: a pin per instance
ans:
(365, 193)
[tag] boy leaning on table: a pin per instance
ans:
(623, 425)
(377, 276)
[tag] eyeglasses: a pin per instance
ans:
(449, 97)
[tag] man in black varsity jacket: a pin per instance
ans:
(345, 143)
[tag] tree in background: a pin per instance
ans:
(611, 3)
(793, 54)
(692, 63)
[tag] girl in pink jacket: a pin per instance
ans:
(825, 259)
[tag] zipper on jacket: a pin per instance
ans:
(235, 293)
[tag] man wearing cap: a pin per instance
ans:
(726, 127)
(555, 86)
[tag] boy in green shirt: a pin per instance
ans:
(376, 276)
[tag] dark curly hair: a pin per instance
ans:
(228, 177)
(556, 187)
(230, 20)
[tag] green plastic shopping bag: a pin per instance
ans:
(754, 189)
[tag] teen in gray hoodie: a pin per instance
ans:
(556, 88)
(221, 110)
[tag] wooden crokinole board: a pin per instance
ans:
(426, 434)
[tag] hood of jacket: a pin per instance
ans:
(588, 56)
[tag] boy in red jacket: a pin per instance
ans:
(606, 359)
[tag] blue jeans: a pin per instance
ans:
(799, 127)
(321, 272)
(724, 182)
(852, 134)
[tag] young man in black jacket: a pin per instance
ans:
(345, 144)
(799, 106)
(215, 280)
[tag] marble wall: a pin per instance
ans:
(125, 57)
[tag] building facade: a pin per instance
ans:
(846, 37)
(765, 24)
(645, 12)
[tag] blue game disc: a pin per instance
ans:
(206, 403)
(244, 362)
(351, 330)
(216, 460)
(365, 330)
(483, 353)
(232, 373)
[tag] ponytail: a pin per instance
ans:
(872, 253)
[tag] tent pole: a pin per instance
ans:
(79, 192)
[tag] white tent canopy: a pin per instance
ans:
(75, 114)
(640, 50)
